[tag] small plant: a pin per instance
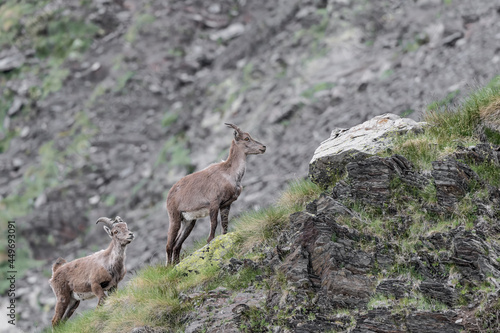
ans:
(379, 301)
(488, 172)
(334, 237)
(240, 280)
(138, 26)
(174, 153)
(434, 106)
(407, 113)
(493, 136)
(420, 302)
(110, 200)
(411, 46)
(122, 81)
(255, 320)
(168, 119)
(298, 194)
(387, 73)
(310, 92)
(261, 226)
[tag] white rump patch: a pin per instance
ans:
(83, 296)
(197, 214)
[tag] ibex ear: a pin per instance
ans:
(108, 231)
(237, 130)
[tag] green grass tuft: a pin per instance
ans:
(493, 136)
(405, 304)
(447, 127)
(151, 298)
(256, 227)
(264, 225)
(488, 171)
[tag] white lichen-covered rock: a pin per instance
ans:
(210, 254)
(357, 143)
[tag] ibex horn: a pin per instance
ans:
(106, 221)
(236, 128)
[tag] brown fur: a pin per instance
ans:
(91, 275)
(59, 262)
(212, 189)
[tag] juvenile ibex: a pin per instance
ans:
(206, 192)
(90, 276)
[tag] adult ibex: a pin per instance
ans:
(207, 192)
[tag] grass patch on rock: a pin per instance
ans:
(151, 298)
(448, 127)
(261, 227)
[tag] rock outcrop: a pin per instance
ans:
(356, 144)
(359, 259)
(373, 253)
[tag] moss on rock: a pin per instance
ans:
(210, 254)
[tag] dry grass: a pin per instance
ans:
(491, 113)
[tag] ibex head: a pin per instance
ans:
(244, 140)
(117, 229)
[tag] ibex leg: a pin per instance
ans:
(214, 212)
(224, 218)
(186, 230)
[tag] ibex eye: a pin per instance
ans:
(247, 139)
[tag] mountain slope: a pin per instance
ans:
(389, 245)
(105, 104)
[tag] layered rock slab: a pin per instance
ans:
(325, 258)
(384, 321)
(452, 180)
(370, 179)
(355, 144)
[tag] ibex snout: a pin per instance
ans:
(257, 148)
(253, 147)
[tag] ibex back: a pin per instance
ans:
(206, 192)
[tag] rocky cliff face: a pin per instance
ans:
(375, 253)
(103, 120)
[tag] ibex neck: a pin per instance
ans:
(236, 162)
(116, 250)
